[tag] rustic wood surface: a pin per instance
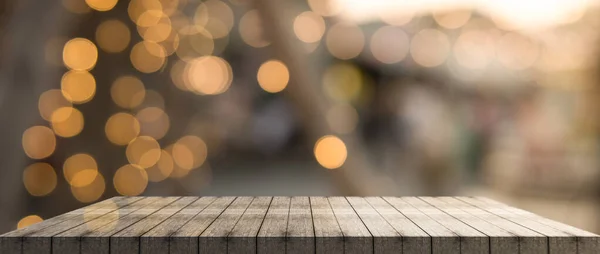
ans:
(299, 225)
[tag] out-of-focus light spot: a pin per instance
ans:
(209, 75)
(78, 86)
(273, 76)
(325, 7)
(252, 31)
(330, 152)
(474, 49)
(389, 44)
(147, 57)
(113, 36)
(189, 152)
(91, 192)
(194, 43)
(171, 43)
(215, 17)
(157, 32)
(121, 128)
(397, 15)
(342, 82)
(170, 7)
(127, 92)
(309, 27)
(50, 101)
(452, 19)
(67, 122)
(177, 75)
(540, 14)
(80, 54)
(154, 122)
(516, 51)
(130, 180)
(144, 12)
(38, 142)
(345, 40)
(101, 5)
(430, 47)
(179, 172)
(162, 169)
(76, 6)
(39, 179)
(143, 151)
(28, 221)
(153, 99)
(342, 118)
(80, 170)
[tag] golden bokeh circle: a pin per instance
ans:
(101, 5)
(330, 152)
(38, 142)
(273, 76)
(67, 122)
(28, 221)
(113, 36)
(91, 192)
(39, 179)
(130, 180)
(80, 170)
(143, 151)
(121, 128)
(80, 54)
(127, 92)
(147, 57)
(78, 86)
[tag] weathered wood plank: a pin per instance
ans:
(214, 238)
(156, 241)
(12, 242)
(357, 238)
(443, 240)
(271, 237)
(98, 241)
(242, 238)
(185, 239)
(385, 238)
(300, 235)
(128, 240)
(328, 235)
(587, 242)
(414, 239)
(69, 241)
(471, 240)
(501, 241)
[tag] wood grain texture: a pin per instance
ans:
(328, 235)
(385, 238)
(300, 235)
(242, 238)
(272, 234)
(214, 238)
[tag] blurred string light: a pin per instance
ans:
(101, 5)
(143, 151)
(78, 86)
(38, 142)
(66, 122)
(342, 118)
(113, 36)
(430, 47)
(162, 169)
(342, 82)
(330, 152)
(209, 75)
(80, 170)
(130, 180)
(80, 54)
(39, 179)
(154, 122)
(28, 221)
(389, 44)
(251, 30)
(91, 192)
(452, 19)
(122, 128)
(127, 92)
(273, 76)
(345, 40)
(309, 27)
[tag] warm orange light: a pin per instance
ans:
(143, 151)
(28, 221)
(113, 36)
(130, 180)
(38, 142)
(121, 128)
(67, 122)
(330, 152)
(80, 54)
(39, 179)
(78, 86)
(128, 92)
(273, 76)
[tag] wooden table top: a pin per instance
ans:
(299, 225)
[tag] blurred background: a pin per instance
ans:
(300, 97)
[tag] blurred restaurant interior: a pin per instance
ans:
(497, 98)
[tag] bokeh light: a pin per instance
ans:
(342, 81)
(475, 49)
(130, 180)
(452, 19)
(342, 118)
(66, 122)
(309, 27)
(38, 142)
(127, 92)
(76, 6)
(516, 51)
(273, 76)
(122, 128)
(189, 152)
(395, 15)
(113, 36)
(78, 86)
(345, 40)
(154, 122)
(325, 7)
(101, 5)
(389, 44)
(80, 170)
(147, 57)
(50, 101)
(214, 16)
(330, 152)
(209, 75)
(39, 179)
(80, 54)
(143, 151)
(430, 47)
(91, 192)
(28, 221)
(252, 31)
(162, 169)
